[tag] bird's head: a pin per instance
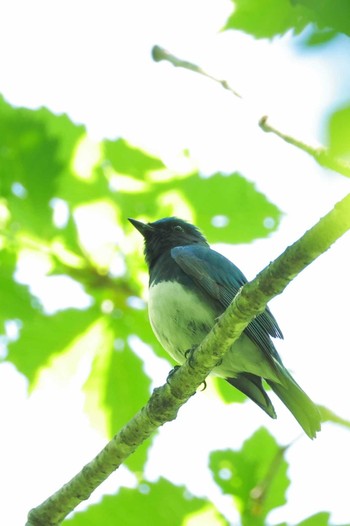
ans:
(165, 234)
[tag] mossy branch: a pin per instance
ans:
(321, 155)
(166, 400)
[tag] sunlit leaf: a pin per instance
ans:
(256, 476)
(159, 504)
(339, 132)
(319, 519)
(236, 196)
(127, 159)
(16, 302)
(45, 335)
(226, 218)
(136, 321)
(117, 384)
(322, 13)
(320, 37)
(76, 191)
(269, 18)
(32, 159)
(127, 390)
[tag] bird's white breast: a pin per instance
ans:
(181, 319)
(178, 318)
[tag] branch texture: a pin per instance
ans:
(166, 400)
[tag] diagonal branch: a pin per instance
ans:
(166, 400)
(321, 155)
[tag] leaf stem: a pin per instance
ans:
(321, 155)
(159, 53)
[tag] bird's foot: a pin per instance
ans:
(188, 356)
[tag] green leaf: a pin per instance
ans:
(126, 159)
(44, 336)
(339, 132)
(319, 37)
(33, 154)
(269, 18)
(117, 384)
(319, 519)
(136, 322)
(323, 14)
(16, 302)
(159, 504)
(237, 197)
(127, 390)
(256, 476)
(77, 191)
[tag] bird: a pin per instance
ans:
(190, 286)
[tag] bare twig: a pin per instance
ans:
(260, 492)
(321, 155)
(158, 54)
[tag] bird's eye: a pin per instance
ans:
(178, 228)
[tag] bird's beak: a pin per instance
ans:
(143, 228)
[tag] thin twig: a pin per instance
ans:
(260, 492)
(158, 54)
(321, 155)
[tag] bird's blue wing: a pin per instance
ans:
(221, 280)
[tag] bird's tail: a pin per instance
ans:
(251, 385)
(299, 404)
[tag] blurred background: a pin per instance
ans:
(93, 131)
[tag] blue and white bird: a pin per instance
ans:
(190, 286)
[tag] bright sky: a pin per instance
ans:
(92, 60)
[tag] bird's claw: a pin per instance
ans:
(189, 355)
